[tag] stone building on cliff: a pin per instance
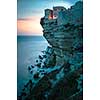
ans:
(63, 16)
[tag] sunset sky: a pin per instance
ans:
(29, 13)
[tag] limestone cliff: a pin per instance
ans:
(65, 33)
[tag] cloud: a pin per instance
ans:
(29, 18)
(24, 19)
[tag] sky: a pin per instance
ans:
(29, 13)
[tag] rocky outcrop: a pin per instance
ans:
(65, 35)
(60, 68)
(66, 38)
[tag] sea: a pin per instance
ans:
(28, 49)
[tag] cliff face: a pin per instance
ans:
(60, 68)
(65, 34)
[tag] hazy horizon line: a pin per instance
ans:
(29, 35)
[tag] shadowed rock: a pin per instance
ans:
(32, 66)
(29, 68)
(40, 57)
(36, 76)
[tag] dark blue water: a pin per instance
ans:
(28, 49)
